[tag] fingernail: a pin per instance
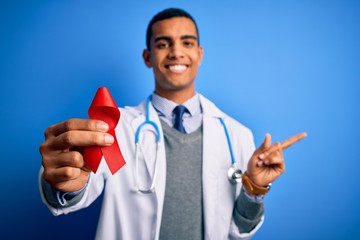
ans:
(108, 139)
(262, 156)
(102, 126)
(267, 162)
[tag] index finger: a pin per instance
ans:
(76, 124)
(290, 141)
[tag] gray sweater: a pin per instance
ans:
(183, 208)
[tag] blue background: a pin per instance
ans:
(279, 66)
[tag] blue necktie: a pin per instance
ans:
(178, 123)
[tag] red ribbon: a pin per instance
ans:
(103, 107)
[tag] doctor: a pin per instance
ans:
(191, 197)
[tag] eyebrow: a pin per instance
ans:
(166, 38)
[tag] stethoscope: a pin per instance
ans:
(234, 173)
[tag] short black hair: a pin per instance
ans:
(166, 14)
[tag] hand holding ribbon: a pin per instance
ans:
(104, 108)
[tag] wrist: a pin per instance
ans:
(252, 188)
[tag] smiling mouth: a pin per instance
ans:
(177, 68)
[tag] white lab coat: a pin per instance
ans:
(127, 214)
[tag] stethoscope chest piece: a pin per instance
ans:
(234, 174)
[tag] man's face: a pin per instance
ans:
(174, 56)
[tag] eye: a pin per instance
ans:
(189, 43)
(162, 45)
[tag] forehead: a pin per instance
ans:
(174, 27)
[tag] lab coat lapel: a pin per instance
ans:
(212, 129)
(150, 164)
(147, 136)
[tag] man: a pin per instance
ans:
(192, 197)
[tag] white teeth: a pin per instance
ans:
(177, 68)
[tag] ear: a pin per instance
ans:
(147, 58)
(201, 54)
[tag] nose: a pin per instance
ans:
(176, 51)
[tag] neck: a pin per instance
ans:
(177, 96)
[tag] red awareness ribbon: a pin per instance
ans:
(103, 107)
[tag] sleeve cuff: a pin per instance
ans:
(64, 197)
(58, 199)
(256, 199)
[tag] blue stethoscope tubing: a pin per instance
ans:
(137, 145)
(234, 173)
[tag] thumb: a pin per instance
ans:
(266, 144)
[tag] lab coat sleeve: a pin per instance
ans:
(235, 234)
